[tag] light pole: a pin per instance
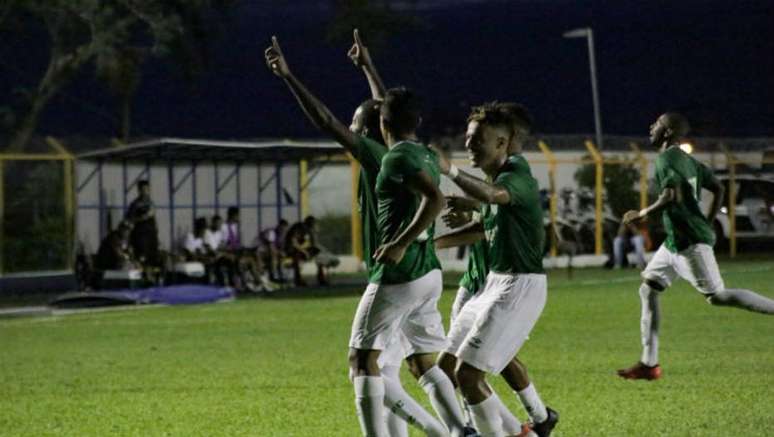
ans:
(588, 33)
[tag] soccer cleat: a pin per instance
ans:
(641, 371)
(544, 428)
(469, 431)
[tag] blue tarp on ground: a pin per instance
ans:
(170, 295)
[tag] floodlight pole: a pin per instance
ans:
(588, 33)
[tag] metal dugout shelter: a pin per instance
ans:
(190, 178)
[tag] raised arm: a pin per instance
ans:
(431, 205)
(361, 57)
(318, 113)
(474, 187)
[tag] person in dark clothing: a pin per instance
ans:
(114, 252)
(144, 237)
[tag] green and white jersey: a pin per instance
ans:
(515, 231)
(475, 276)
(396, 208)
(369, 154)
(684, 223)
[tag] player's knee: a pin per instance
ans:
(418, 364)
(718, 299)
(649, 286)
(468, 377)
(363, 362)
(448, 363)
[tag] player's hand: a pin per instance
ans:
(275, 60)
(358, 53)
(631, 216)
(443, 162)
(461, 204)
(455, 219)
(390, 253)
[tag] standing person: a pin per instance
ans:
(491, 328)
(687, 251)
(371, 390)
(145, 235)
(463, 212)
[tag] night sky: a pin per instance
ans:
(713, 60)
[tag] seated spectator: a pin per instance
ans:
(301, 245)
(251, 273)
(632, 235)
(224, 263)
(270, 249)
(115, 252)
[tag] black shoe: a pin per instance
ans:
(469, 431)
(544, 428)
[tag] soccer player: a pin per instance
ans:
(493, 325)
(464, 211)
(370, 388)
(687, 251)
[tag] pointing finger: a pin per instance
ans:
(357, 38)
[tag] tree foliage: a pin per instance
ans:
(619, 181)
(115, 36)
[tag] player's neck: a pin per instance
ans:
(393, 140)
(494, 169)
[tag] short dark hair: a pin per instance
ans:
(370, 110)
(678, 123)
(233, 211)
(400, 110)
(310, 219)
(492, 114)
(143, 183)
(282, 222)
(216, 217)
(520, 116)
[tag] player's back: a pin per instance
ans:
(397, 206)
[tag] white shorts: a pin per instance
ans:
(696, 264)
(463, 296)
(395, 352)
(386, 311)
(491, 328)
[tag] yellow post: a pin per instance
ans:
(2, 217)
(357, 235)
(69, 211)
(597, 157)
(643, 161)
(303, 179)
(551, 158)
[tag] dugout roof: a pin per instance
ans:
(180, 149)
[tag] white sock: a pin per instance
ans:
(533, 404)
(396, 426)
(511, 425)
(487, 417)
(369, 399)
(401, 405)
(649, 323)
(440, 389)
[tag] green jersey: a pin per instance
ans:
(369, 154)
(515, 231)
(684, 223)
(396, 208)
(475, 276)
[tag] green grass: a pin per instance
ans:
(277, 367)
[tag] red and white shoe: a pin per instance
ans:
(641, 371)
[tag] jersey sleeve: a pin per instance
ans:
(369, 153)
(516, 187)
(665, 174)
(708, 178)
(400, 164)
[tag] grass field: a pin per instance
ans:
(277, 366)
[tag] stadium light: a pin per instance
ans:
(586, 32)
(687, 148)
